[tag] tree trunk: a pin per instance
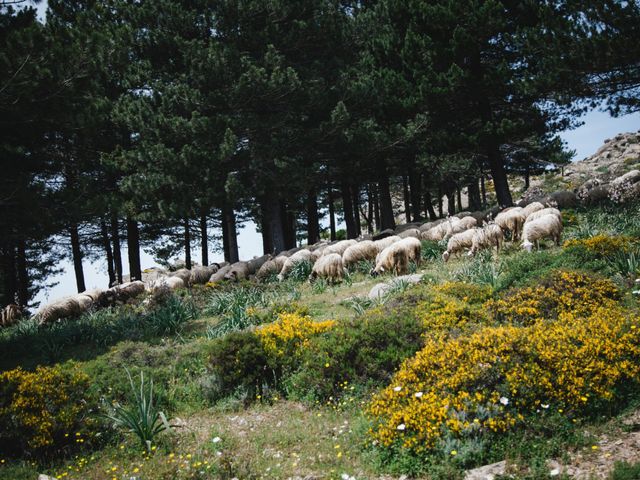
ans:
(499, 175)
(407, 200)
(369, 217)
(265, 229)
(483, 190)
(133, 246)
(347, 206)
(288, 225)
(313, 222)
(415, 189)
(355, 190)
(117, 255)
(10, 287)
(22, 273)
(106, 243)
(451, 203)
(273, 218)
(459, 197)
(77, 257)
(332, 215)
(187, 243)
(376, 207)
(473, 191)
(527, 174)
(204, 238)
(386, 207)
(429, 206)
(229, 234)
(440, 205)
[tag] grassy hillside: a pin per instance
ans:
(518, 357)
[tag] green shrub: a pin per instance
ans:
(432, 250)
(45, 412)
(300, 271)
(236, 308)
(360, 352)
(238, 361)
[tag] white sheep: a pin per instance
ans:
(531, 208)
(464, 224)
(410, 232)
(542, 213)
(458, 242)
(413, 246)
(329, 267)
(172, 283)
(238, 271)
(299, 256)
(511, 220)
(441, 230)
(361, 251)
(219, 275)
(61, 308)
(487, 237)
(547, 226)
(184, 274)
(385, 242)
(394, 258)
(201, 275)
(270, 267)
(338, 247)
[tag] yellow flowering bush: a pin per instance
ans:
(564, 292)
(488, 381)
(290, 334)
(453, 305)
(44, 410)
(602, 245)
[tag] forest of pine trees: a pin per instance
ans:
(123, 122)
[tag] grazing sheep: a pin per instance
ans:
(219, 275)
(270, 267)
(542, 213)
(385, 242)
(532, 207)
(394, 258)
(152, 273)
(487, 237)
(458, 242)
(339, 247)
(365, 250)
(10, 315)
(411, 232)
(62, 308)
(300, 256)
(543, 227)
(183, 274)
(238, 271)
(257, 262)
(512, 221)
(172, 283)
(429, 225)
(201, 275)
(329, 267)
(128, 290)
(413, 246)
(561, 199)
(464, 224)
(441, 230)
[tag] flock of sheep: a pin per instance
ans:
(390, 251)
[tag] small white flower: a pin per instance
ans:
(504, 401)
(216, 440)
(397, 389)
(418, 394)
(344, 476)
(636, 292)
(219, 453)
(545, 405)
(401, 427)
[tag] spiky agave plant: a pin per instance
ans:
(141, 417)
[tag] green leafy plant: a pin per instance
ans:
(141, 418)
(300, 271)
